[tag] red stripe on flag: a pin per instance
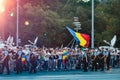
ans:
(87, 38)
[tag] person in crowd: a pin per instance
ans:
(85, 61)
(12, 60)
(59, 59)
(18, 60)
(5, 60)
(55, 60)
(117, 59)
(41, 59)
(74, 59)
(1, 61)
(101, 57)
(26, 51)
(33, 63)
(94, 60)
(107, 58)
(51, 60)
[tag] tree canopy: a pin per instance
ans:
(48, 18)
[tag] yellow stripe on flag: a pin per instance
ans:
(23, 59)
(81, 39)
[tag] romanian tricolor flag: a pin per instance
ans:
(81, 39)
(65, 54)
(23, 60)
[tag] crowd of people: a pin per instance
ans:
(34, 60)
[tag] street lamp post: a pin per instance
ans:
(92, 30)
(17, 29)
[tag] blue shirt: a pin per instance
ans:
(19, 52)
(6, 53)
(106, 53)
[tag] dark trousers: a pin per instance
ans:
(59, 64)
(0, 68)
(32, 69)
(5, 65)
(94, 65)
(85, 66)
(101, 65)
(18, 67)
(46, 65)
(33, 66)
(108, 63)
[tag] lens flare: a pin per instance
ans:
(2, 9)
(26, 23)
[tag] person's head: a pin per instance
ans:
(17, 48)
(5, 47)
(106, 49)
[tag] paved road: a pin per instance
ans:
(113, 74)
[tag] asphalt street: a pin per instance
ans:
(113, 74)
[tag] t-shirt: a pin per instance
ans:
(6, 53)
(96, 53)
(47, 56)
(19, 52)
(106, 53)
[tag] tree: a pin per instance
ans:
(108, 13)
(51, 16)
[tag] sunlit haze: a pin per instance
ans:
(5, 10)
(2, 9)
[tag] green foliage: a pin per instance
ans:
(51, 16)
